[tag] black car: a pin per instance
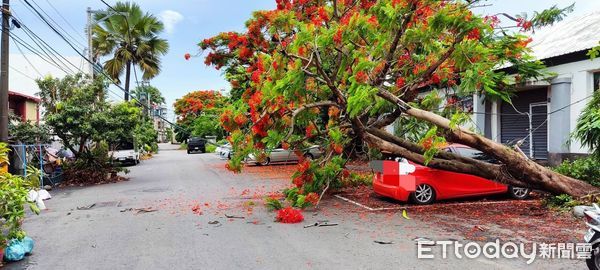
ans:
(196, 144)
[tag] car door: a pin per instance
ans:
(278, 154)
(460, 184)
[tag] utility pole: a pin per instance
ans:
(89, 37)
(4, 72)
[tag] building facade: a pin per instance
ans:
(544, 113)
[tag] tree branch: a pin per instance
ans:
(308, 106)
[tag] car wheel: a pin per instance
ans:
(308, 156)
(518, 192)
(424, 194)
(266, 162)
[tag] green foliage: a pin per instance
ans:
(77, 112)
(594, 52)
(587, 130)
(141, 93)
(92, 166)
(146, 137)
(562, 202)
(210, 148)
(273, 203)
(207, 125)
(356, 180)
(131, 39)
(13, 199)
(28, 132)
(586, 169)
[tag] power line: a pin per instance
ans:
(65, 20)
(22, 73)
(103, 72)
(30, 48)
(58, 25)
(26, 59)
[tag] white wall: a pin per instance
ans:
(581, 74)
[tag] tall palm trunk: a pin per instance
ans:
(127, 77)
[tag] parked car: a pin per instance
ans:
(196, 144)
(434, 184)
(224, 151)
(285, 156)
(125, 152)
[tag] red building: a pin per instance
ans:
(25, 106)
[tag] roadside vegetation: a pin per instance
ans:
(198, 115)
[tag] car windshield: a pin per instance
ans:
(474, 154)
(124, 146)
(195, 140)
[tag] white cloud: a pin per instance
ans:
(170, 18)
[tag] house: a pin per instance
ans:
(545, 113)
(160, 125)
(24, 106)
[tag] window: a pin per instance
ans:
(596, 80)
(474, 154)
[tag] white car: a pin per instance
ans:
(286, 156)
(224, 151)
(125, 153)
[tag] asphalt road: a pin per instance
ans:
(114, 235)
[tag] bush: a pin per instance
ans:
(561, 202)
(585, 169)
(211, 148)
(91, 167)
(13, 191)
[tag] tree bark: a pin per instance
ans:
(515, 164)
(127, 78)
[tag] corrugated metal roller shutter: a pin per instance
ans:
(539, 126)
(514, 126)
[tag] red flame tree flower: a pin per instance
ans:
(370, 60)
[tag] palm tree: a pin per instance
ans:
(130, 36)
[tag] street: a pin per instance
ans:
(165, 217)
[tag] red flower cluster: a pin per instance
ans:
(362, 77)
(289, 215)
(187, 56)
(312, 198)
(475, 34)
(525, 24)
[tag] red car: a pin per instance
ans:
(425, 185)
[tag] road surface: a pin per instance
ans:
(115, 234)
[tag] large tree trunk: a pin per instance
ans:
(127, 78)
(522, 170)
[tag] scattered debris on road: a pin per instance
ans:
(320, 224)
(230, 216)
(214, 222)
(404, 214)
(196, 209)
(86, 207)
(383, 242)
(145, 210)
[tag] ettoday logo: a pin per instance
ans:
(508, 250)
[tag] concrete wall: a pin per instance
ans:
(567, 98)
(581, 75)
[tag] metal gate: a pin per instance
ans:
(525, 119)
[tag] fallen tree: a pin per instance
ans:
(329, 71)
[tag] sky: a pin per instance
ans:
(187, 22)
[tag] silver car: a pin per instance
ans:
(286, 156)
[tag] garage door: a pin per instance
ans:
(514, 124)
